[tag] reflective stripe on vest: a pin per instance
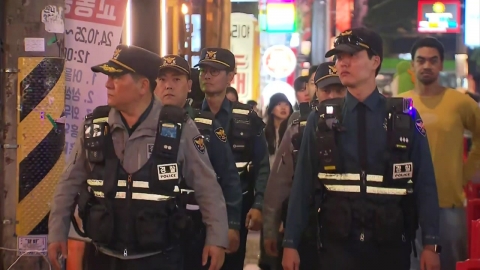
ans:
(135, 195)
(343, 186)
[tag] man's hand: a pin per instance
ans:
(270, 246)
(429, 260)
(56, 249)
(217, 257)
(291, 259)
(254, 220)
(233, 241)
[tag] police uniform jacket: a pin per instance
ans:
(305, 177)
(223, 163)
(133, 152)
(260, 160)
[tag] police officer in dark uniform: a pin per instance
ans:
(328, 86)
(372, 170)
(128, 167)
(246, 137)
(173, 84)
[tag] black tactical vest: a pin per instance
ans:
(301, 122)
(362, 205)
(138, 213)
(244, 125)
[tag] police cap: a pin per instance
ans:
(355, 40)
(217, 58)
(131, 59)
(326, 75)
(175, 62)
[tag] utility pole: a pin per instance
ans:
(32, 93)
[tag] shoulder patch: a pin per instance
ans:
(220, 133)
(199, 143)
(420, 127)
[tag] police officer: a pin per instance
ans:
(246, 137)
(127, 167)
(280, 180)
(372, 169)
(173, 85)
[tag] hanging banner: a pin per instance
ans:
(243, 28)
(93, 29)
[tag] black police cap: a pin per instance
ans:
(131, 59)
(175, 62)
(217, 58)
(355, 40)
(326, 75)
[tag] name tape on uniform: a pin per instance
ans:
(149, 149)
(167, 171)
(402, 170)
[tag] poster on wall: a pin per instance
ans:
(242, 39)
(93, 28)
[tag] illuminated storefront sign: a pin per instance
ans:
(439, 16)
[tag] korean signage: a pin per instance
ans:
(242, 39)
(439, 16)
(472, 23)
(280, 61)
(93, 29)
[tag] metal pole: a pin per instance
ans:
(33, 60)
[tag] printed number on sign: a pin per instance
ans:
(167, 171)
(93, 36)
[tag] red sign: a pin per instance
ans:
(240, 83)
(109, 12)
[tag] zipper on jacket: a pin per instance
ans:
(128, 197)
(363, 192)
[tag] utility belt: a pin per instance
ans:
(153, 230)
(344, 218)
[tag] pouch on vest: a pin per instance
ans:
(165, 150)
(84, 200)
(242, 129)
(96, 131)
(389, 224)
(100, 223)
(336, 218)
(152, 229)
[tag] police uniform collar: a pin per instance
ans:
(371, 101)
(226, 105)
(149, 125)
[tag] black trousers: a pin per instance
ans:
(355, 255)
(95, 260)
(193, 249)
(236, 260)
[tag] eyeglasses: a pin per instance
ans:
(353, 40)
(212, 71)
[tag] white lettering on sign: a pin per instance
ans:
(32, 245)
(242, 39)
